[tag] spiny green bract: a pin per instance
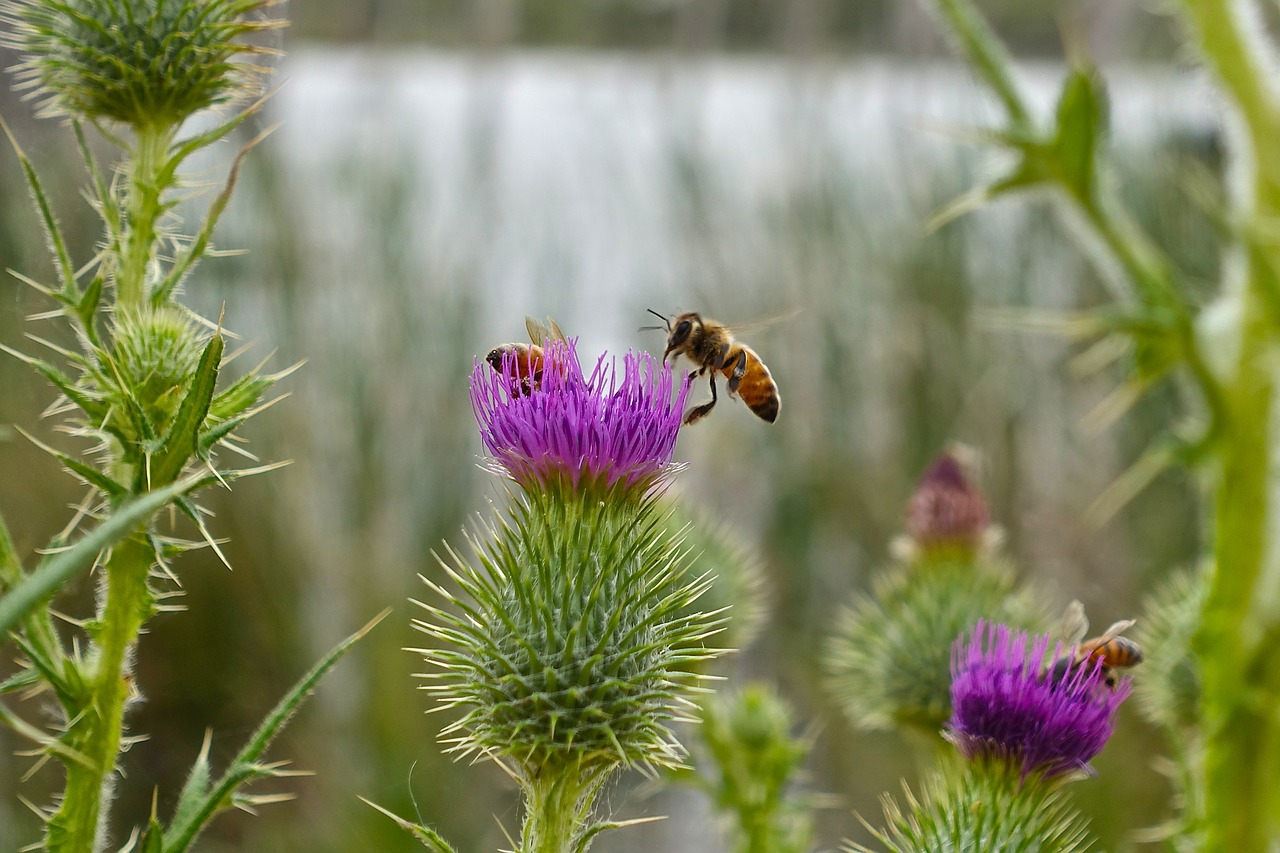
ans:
(147, 63)
(573, 642)
(890, 659)
(982, 807)
(1168, 691)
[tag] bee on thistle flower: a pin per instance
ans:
(614, 425)
(572, 641)
(1003, 707)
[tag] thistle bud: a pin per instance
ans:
(145, 63)
(155, 353)
(948, 513)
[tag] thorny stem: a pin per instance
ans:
(1241, 696)
(144, 207)
(557, 806)
(80, 823)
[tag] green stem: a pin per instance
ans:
(1241, 697)
(557, 805)
(80, 823)
(143, 207)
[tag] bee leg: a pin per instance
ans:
(697, 413)
(739, 370)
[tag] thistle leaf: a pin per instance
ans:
(93, 408)
(153, 840)
(182, 441)
(47, 742)
(90, 475)
(10, 565)
(52, 230)
(430, 839)
(56, 569)
(216, 433)
(87, 307)
(1082, 119)
(197, 811)
(240, 395)
(196, 250)
(196, 788)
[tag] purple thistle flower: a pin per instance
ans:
(1008, 702)
(562, 427)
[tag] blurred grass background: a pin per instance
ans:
(439, 174)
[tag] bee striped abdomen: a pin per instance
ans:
(1118, 651)
(756, 387)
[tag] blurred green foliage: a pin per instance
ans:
(1124, 28)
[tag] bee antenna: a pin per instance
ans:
(666, 322)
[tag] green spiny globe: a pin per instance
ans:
(155, 353)
(982, 807)
(1168, 684)
(577, 640)
(890, 660)
(147, 63)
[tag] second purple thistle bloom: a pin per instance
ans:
(609, 427)
(1008, 704)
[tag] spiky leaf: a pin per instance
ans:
(58, 568)
(1082, 119)
(197, 808)
(182, 442)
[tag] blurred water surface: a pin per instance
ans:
(413, 207)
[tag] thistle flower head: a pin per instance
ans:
(147, 63)
(947, 512)
(1009, 705)
(608, 428)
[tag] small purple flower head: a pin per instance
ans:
(1009, 703)
(545, 424)
(948, 512)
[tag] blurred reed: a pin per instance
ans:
(413, 208)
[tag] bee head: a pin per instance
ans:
(681, 328)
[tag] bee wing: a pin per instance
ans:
(740, 329)
(1074, 624)
(540, 332)
(1115, 630)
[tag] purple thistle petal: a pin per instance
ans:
(604, 428)
(1006, 703)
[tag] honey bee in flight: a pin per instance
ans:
(711, 346)
(1114, 650)
(528, 358)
